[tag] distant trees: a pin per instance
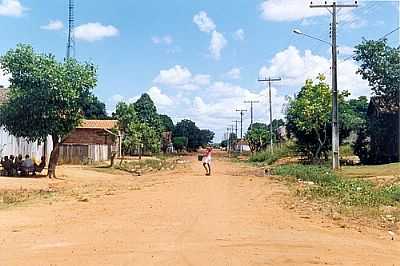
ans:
(46, 98)
(195, 137)
(140, 125)
(93, 108)
(258, 137)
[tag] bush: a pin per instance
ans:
(269, 158)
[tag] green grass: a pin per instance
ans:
(346, 150)
(146, 165)
(343, 191)
(372, 170)
(269, 158)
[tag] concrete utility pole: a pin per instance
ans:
(270, 80)
(241, 121)
(335, 109)
(251, 111)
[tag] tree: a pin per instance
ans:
(258, 137)
(146, 112)
(380, 65)
(180, 143)
(93, 108)
(45, 97)
(137, 135)
(205, 137)
(187, 128)
(308, 117)
(166, 123)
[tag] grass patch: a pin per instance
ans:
(13, 197)
(346, 150)
(372, 170)
(269, 158)
(342, 191)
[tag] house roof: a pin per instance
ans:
(98, 124)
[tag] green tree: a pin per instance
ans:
(146, 112)
(380, 65)
(180, 143)
(167, 124)
(93, 108)
(45, 97)
(205, 137)
(187, 128)
(308, 117)
(258, 137)
(138, 136)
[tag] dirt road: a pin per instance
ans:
(180, 218)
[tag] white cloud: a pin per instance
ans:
(204, 23)
(181, 77)
(159, 98)
(167, 40)
(4, 78)
(345, 50)
(217, 44)
(239, 35)
(295, 67)
(11, 8)
(234, 73)
(91, 32)
(289, 10)
(53, 25)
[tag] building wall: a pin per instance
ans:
(10, 145)
(89, 136)
(84, 153)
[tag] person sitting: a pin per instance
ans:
(6, 164)
(27, 166)
(18, 163)
(39, 167)
(13, 170)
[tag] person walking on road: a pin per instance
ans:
(207, 161)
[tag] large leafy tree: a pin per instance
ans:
(45, 96)
(167, 123)
(137, 134)
(146, 112)
(93, 108)
(380, 65)
(195, 137)
(205, 137)
(258, 137)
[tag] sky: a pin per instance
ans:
(201, 60)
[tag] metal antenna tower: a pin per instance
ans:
(71, 28)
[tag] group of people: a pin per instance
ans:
(17, 166)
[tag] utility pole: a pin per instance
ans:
(251, 111)
(236, 127)
(335, 109)
(270, 80)
(242, 111)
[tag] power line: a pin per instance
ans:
(242, 111)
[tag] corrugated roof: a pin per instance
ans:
(100, 124)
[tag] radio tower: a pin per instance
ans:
(71, 26)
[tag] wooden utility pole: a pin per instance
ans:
(335, 110)
(251, 111)
(270, 80)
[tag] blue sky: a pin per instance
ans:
(199, 59)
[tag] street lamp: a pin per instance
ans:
(299, 32)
